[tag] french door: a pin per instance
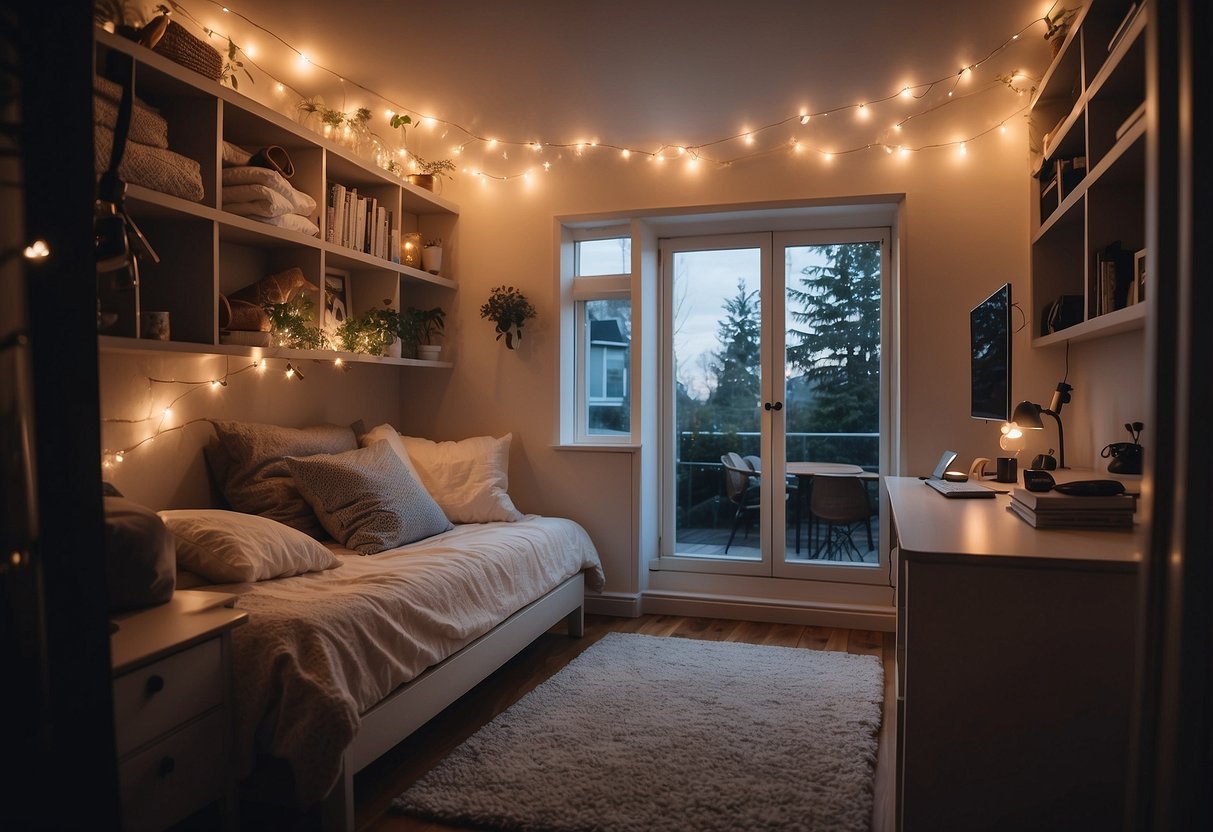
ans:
(773, 378)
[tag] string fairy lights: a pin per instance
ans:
(164, 417)
(750, 142)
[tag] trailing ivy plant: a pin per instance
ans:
(509, 310)
(293, 324)
(371, 332)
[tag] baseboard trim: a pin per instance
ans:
(850, 616)
(619, 604)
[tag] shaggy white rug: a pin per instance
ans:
(641, 733)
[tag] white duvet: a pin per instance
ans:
(322, 648)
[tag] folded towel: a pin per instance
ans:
(152, 167)
(255, 201)
(112, 90)
(249, 175)
(269, 201)
(234, 155)
(146, 127)
(291, 222)
(294, 222)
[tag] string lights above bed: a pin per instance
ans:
(714, 152)
(164, 415)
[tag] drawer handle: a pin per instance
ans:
(155, 684)
(166, 766)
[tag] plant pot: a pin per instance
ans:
(422, 180)
(393, 349)
(429, 352)
(431, 259)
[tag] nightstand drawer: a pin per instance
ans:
(155, 699)
(177, 776)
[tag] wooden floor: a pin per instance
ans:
(378, 784)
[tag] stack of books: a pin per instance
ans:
(1051, 510)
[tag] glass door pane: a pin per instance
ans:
(832, 400)
(715, 318)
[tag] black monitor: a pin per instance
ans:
(990, 350)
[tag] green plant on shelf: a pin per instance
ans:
(292, 324)
(371, 332)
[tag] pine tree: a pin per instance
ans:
(837, 340)
(737, 365)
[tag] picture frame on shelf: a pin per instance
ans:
(336, 299)
(1137, 292)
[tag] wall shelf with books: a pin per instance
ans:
(1087, 123)
(214, 237)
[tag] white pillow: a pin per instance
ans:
(467, 479)
(232, 547)
(387, 433)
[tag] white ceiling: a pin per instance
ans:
(636, 72)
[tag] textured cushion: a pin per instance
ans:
(367, 499)
(248, 461)
(467, 479)
(229, 547)
(139, 566)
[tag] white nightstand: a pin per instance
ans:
(172, 709)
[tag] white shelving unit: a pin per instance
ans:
(1091, 91)
(205, 251)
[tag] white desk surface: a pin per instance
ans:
(933, 526)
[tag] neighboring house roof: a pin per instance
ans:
(607, 332)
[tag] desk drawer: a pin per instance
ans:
(155, 699)
(177, 776)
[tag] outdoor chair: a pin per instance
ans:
(842, 503)
(791, 487)
(742, 486)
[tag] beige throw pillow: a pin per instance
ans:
(231, 547)
(468, 479)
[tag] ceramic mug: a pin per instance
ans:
(154, 325)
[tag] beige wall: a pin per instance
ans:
(965, 231)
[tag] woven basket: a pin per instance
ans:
(180, 46)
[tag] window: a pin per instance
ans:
(596, 399)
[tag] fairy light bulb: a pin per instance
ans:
(168, 413)
(903, 151)
(962, 149)
(749, 139)
(906, 93)
(118, 457)
(861, 111)
(304, 61)
(827, 156)
(492, 142)
(37, 250)
(215, 384)
(547, 166)
(249, 50)
(625, 153)
(804, 118)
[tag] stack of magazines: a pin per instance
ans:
(1051, 510)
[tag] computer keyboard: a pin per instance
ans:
(960, 489)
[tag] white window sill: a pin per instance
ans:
(609, 448)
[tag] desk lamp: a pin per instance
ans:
(1027, 417)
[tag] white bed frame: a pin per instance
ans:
(412, 705)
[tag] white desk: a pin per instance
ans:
(1015, 656)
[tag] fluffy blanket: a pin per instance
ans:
(320, 649)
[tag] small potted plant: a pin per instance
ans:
(508, 309)
(427, 324)
(292, 324)
(428, 172)
(431, 256)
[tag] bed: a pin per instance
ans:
(345, 654)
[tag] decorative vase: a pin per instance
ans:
(429, 352)
(431, 259)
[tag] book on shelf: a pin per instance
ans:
(1113, 278)
(243, 338)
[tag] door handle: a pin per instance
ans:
(775, 406)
